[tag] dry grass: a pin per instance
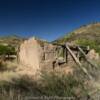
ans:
(8, 76)
(16, 87)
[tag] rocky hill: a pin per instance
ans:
(11, 40)
(85, 35)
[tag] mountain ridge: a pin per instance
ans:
(87, 35)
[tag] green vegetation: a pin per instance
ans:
(6, 53)
(7, 50)
(86, 42)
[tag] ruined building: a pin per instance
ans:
(35, 56)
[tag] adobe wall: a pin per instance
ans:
(33, 56)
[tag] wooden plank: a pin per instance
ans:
(89, 61)
(78, 62)
(65, 54)
(73, 55)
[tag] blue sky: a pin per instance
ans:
(46, 19)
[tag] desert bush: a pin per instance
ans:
(18, 89)
(50, 84)
(6, 50)
(63, 85)
(53, 84)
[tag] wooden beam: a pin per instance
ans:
(78, 62)
(89, 61)
(65, 54)
(73, 55)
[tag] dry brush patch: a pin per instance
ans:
(49, 85)
(15, 87)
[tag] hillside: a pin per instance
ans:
(85, 35)
(11, 40)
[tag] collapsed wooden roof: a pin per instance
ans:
(69, 47)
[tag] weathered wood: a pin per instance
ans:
(65, 54)
(78, 62)
(78, 55)
(73, 47)
(73, 55)
(89, 61)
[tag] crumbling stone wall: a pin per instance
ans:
(49, 52)
(33, 56)
(29, 54)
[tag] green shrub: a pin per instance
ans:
(93, 44)
(4, 50)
